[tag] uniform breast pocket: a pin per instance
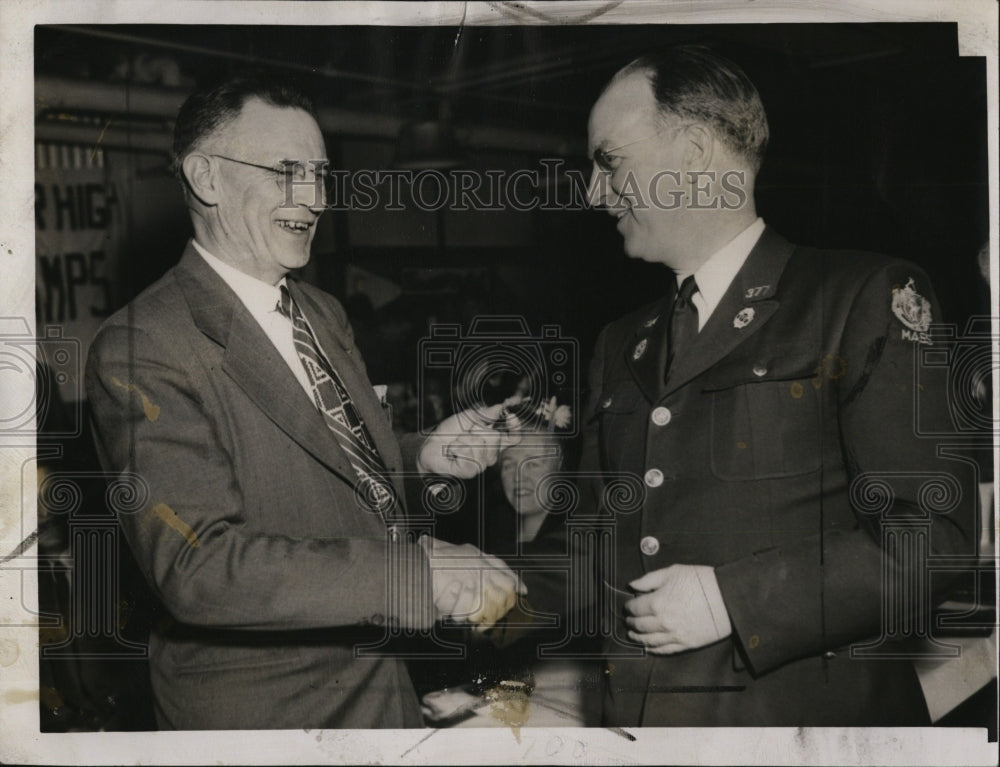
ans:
(767, 425)
(621, 417)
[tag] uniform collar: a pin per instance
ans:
(716, 275)
(748, 303)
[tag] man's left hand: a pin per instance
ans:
(681, 609)
(466, 443)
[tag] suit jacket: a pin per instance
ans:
(783, 450)
(248, 528)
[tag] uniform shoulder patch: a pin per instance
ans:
(913, 311)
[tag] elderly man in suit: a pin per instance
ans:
(766, 405)
(272, 526)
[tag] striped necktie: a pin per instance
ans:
(342, 418)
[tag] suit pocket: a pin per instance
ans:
(766, 424)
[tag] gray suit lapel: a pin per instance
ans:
(251, 360)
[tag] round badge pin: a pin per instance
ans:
(744, 317)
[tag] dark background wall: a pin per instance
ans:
(878, 143)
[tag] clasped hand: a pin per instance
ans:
(470, 585)
(681, 609)
(466, 443)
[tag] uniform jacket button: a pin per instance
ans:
(378, 619)
(829, 654)
(661, 416)
(654, 477)
(759, 370)
(649, 545)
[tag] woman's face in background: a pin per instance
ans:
(522, 469)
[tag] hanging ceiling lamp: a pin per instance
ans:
(428, 145)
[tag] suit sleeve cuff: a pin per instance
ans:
(775, 618)
(716, 604)
(411, 597)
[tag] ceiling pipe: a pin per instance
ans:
(63, 93)
(55, 94)
(153, 42)
(481, 138)
(109, 137)
(535, 67)
(490, 75)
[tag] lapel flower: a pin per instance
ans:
(554, 415)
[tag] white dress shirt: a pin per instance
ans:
(715, 275)
(261, 300)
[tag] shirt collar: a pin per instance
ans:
(258, 296)
(717, 273)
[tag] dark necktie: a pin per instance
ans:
(683, 321)
(342, 418)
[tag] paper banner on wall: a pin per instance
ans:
(78, 249)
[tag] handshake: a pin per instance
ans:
(470, 585)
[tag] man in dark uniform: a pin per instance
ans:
(766, 404)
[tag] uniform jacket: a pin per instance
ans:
(249, 530)
(782, 450)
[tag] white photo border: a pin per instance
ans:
(20, 739)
